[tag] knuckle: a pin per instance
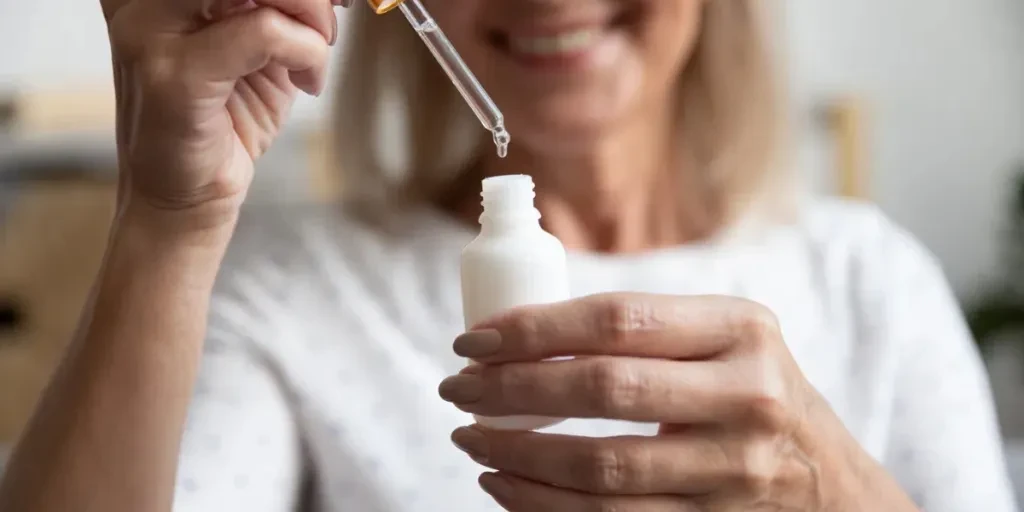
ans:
(620, 316)
(613, 389)
(602, 470)
(525, 325)
(767, 410)
(757, 467)
(756, 324)
(516, 389)
(607, 505)
(269, 24)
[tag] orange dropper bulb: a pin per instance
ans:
(383, 6)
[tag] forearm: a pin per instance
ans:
(105, 436)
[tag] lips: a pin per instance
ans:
(555, 36)
(566, 42)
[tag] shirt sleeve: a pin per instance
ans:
(945, 447)
(242, 449)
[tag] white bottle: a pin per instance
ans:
(513, 262)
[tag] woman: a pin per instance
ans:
(771, 354)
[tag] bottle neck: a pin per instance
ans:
(508, 204)
(504, 222)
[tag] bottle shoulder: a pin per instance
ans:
(516, 242)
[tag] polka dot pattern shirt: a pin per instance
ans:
(328, 338)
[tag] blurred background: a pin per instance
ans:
(915, 105)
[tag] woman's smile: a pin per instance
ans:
(565, 72)
(563, 43)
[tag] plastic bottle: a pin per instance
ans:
(513, 262)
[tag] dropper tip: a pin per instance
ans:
(501, 140)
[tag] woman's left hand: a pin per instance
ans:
(741, 429)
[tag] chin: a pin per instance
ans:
(561, 131)
(570, 115)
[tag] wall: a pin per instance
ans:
(52, 43)
(945, 79)
(63, 43)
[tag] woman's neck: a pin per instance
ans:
(626, 194)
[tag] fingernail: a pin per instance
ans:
(462, 388)
(478, 343)
(305, 81)
(473, 442)
(497, 486)
(334, 34)
(473, 369)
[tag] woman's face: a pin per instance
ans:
(565, 72)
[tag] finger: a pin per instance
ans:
(619, 324)
(317, 14)
(697, 463)
(249, 42)
(518, 495)
(259, 100)
(188, 15)
(632, 389)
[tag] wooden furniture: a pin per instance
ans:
(55, 211)
(53, 239)
(90, 112)
(56, 202)
(88, 109)
(846, 120)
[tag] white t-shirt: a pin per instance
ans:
(328, 339)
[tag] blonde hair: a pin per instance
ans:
(730, 107)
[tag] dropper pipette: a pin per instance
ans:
(466, 83)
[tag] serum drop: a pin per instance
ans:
(513, 262)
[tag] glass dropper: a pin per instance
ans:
(466, 83)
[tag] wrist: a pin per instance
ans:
(208, 226)
(862, 483)
(183, 245)
(851, 478)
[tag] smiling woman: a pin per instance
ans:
(569, 79)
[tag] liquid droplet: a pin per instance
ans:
(501, 140)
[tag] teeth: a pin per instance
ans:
(562, 43)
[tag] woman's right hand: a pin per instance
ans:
(203, 88)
